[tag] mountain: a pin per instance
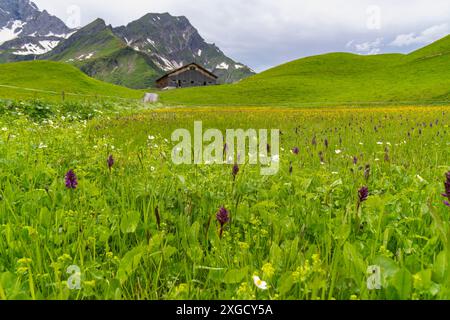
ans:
(337, 79)
(100, 53)
(25, 30)
(172, 42)
(134, 55)
(137, 54)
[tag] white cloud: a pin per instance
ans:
(264, 33)
(368, 47)
(425, 37)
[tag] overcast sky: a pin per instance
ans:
(266, 33)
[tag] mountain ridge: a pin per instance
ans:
(157, 44)
(25, 30)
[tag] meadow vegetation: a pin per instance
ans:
(140, 227)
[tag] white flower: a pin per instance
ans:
(259, 283)
(338, 151)
(420, 178)
(388, 143)
(361, 143)
(42, 146)
(4, 129)
(335, 173)
(156, 146)
(379, 143)
(152, 169)
(377, 159)
(151, 137)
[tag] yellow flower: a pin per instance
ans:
(245, 292)
(268, 270)
(244, 245)
(24, 261)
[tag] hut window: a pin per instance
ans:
(192, 68)
(192, 82)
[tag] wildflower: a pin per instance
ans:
(223, 217)
(71, 180)
(259, 283)
(110, 162)
(367, 172)
(268, 270)
(447, 189)
(151, 137)
(355, 160)
(363, 194)
(296, 150)
(235, 170)
(338, 151)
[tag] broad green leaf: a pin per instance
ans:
(285, 283)
(235, 275)
(130, 222)
(402, 282)
(130, 263)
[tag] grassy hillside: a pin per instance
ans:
(336, 78)
(125, 67)
(54, 78)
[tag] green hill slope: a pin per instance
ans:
(54, 78)
(337, 78)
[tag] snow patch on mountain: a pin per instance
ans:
(86, 56)
(11, 31)
(223, 66)
(32, 48)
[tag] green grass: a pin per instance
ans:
(55, 78)
(336, 79)
(147, 228)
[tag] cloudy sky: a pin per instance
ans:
(266, 33)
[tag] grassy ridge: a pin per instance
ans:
(336, 78)
(55, 78)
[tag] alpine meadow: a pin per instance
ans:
(93, 206)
